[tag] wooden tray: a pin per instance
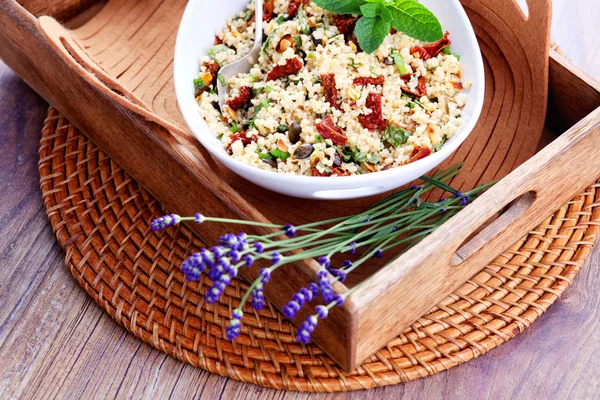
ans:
(110, 74)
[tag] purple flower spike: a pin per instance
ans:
(259, 247)
(193, 267)
(339, 300)
(307, 328)
(207, 257)
(322, 312)
(235, 256)
(340, 274)
(199, 218)
(165, 221)
(276, 258)
(289, 230)
(265, 275)
(248, 260)
(214, 292)
(326, 290)
(258, 297)
(314, 289)
(291, 309)
(352, 249)
(233, 329)
(218, 252)
(237, 314)
(347, 264)
(415, 187)
(324, 261)
(395, 229)
(378, 254)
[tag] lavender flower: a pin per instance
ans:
(339, 273)
(289, 230)
(307, 328)
(347, 264)
(378, 254)
(235, 324)
(193, 267)
(165, 221)
(215, 291)
(248, 260)
(258, 297)
(259, 247)
(218, 252)
(352, 249)
(322, 312)
(199, 218)
(276, 258)
(324, 261)
(339, 300)
(325, 286)
(464, 198)
(305, 295)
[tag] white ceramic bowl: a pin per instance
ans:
(197, 33)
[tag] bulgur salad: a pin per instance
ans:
(316, 104)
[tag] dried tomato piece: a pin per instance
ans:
(432, 50)
(331, 94)
(242, 136)
(240, 101)
(295, 6)
(422, 86)
(419, 153)
(458, 85)
(290, 67)
(329, 130)
(363, 81)
(345, 23)
(218, 40)
(339, 171)
(268, 7)
(374, 120)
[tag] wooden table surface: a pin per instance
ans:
(56, 343)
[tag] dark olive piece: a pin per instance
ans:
(337, 160)
(388, 61)
(272, 163)
(294, 132)
(304, 151)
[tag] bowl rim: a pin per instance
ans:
(192, 119)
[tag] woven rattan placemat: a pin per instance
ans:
(101, 218)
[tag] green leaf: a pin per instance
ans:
(262, 155)
(214, 50)
(395, 135)
(198, 83)
(386, 14)
(268, 41)
(282, 155)
(319, 138)
(439, 146)
(221, 79)
(399, 61)
(371, 32)
(415, 20)
(370, 10)
(341, 6)
(234, 127)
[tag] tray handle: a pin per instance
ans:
(70, 50)
(438, 265)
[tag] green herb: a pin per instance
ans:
(269, 89)
(282, 155)
(372, 69)
(298, 41)
(319, 138)
(268, 41)
(311, 55)
(304, 27)
(258, 90)
(353, 63)
(379, 16)
(297, 81)
(220, 136)
(198, 83)
(221, 79)
(439, 146)
(254, 78)
(216, 49)
(317, 79)
(399, 61)
(213, 91)
(446, 50)
(282, 128)
(281, 19)
(457, 56)
(234, 127)
(395, 135)
(265, 156)
(263, 104)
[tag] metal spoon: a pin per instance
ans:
(242, 66)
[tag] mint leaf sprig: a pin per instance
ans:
(379, 16)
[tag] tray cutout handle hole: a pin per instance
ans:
(493, 227)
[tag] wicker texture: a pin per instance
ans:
(101, 218)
